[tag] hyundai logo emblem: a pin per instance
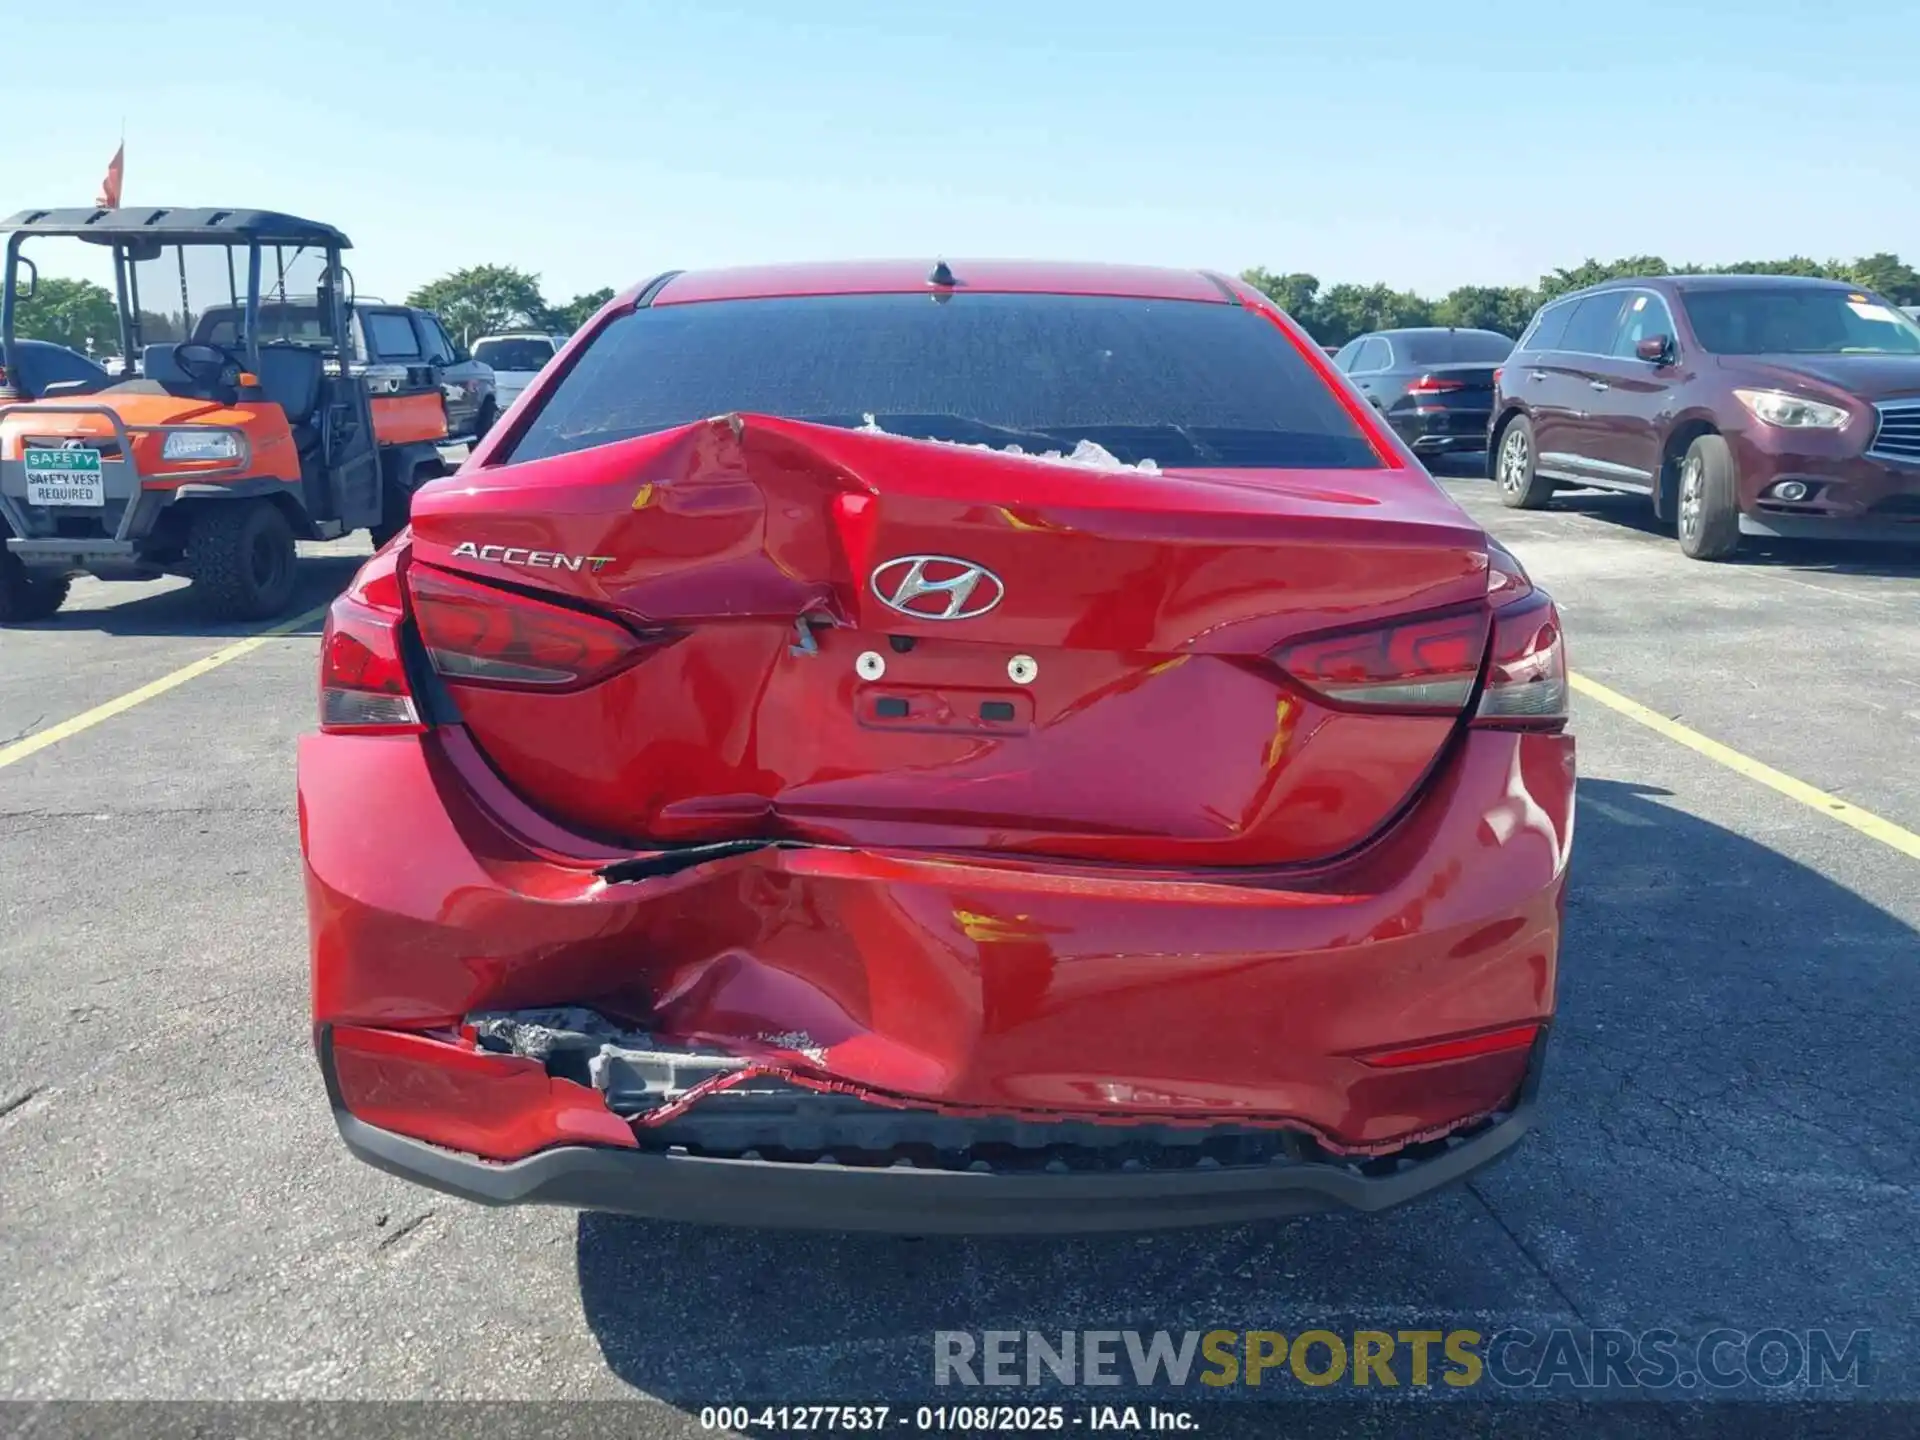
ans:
(937, 587)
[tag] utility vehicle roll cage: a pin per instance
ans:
(136, 235)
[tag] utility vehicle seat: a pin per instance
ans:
(290, 377)
(156, 364)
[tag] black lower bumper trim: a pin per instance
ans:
(1815, 527)
(905, 1200)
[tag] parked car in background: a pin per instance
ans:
(1912, 311)
(43, 371)
(516, 358)
(1434, 385)
(404, 346)
(1157, 811)
(1738, 404)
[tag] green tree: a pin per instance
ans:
(1298, 295)
(582, 308)
(1505, 308)
(76, 313)
(1592, 272)
(1334, 316)
(484, 298)
(1888, 274)
(1345, 311)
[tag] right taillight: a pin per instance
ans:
(1526, 685)
(1426, 665)
(477, 634)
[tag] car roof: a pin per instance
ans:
(166, 225)
(1434, 330)
(517, 335)
(1710, 282)
(887, 277)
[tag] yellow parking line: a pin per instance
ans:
(1865, 821)
(87, 719)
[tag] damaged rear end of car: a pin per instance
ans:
(1009, 792)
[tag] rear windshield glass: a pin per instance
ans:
(514, 354)
(1799, 322)
(1459, 347)
(1175, 382)
(279, 324)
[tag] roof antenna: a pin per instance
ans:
(942, 276)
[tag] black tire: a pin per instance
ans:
(1520, 484)
(1707, 501)
(25, 598)
(396, 504)
(242, 557)
(483, 422)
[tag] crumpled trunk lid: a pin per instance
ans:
(878, 641)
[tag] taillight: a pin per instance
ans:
(476, 634)
(1434, 385)
(1496, 378)
(363, 678)
(1428, 665)
(1526, 685)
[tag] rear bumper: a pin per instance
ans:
(984, 988)
(1441, 429)
(905, 1200)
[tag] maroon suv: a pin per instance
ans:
(1739, 404)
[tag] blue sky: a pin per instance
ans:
(595, 143)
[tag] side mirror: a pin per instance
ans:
(26, 278)
(1655, 349)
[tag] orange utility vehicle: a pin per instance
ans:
(228, 445)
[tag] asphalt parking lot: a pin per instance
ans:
(1727, 1138)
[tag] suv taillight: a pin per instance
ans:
(1424, 666)
(363, 675)
(477, 634)
(1434, 385)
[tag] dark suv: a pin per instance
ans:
(1739, 404)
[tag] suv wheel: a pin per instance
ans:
(242, 556)
(23, 597)
(1709, 502)
(1521, 486)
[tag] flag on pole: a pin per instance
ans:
(110, 187)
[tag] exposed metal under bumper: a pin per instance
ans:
(723, 1140)
(904, 1200)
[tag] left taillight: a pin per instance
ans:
(479, 634)
(363, 674)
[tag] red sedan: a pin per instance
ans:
(994, 746)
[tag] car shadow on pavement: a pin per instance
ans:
(173, 611)
(1824, 556)
(1724, 1140)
